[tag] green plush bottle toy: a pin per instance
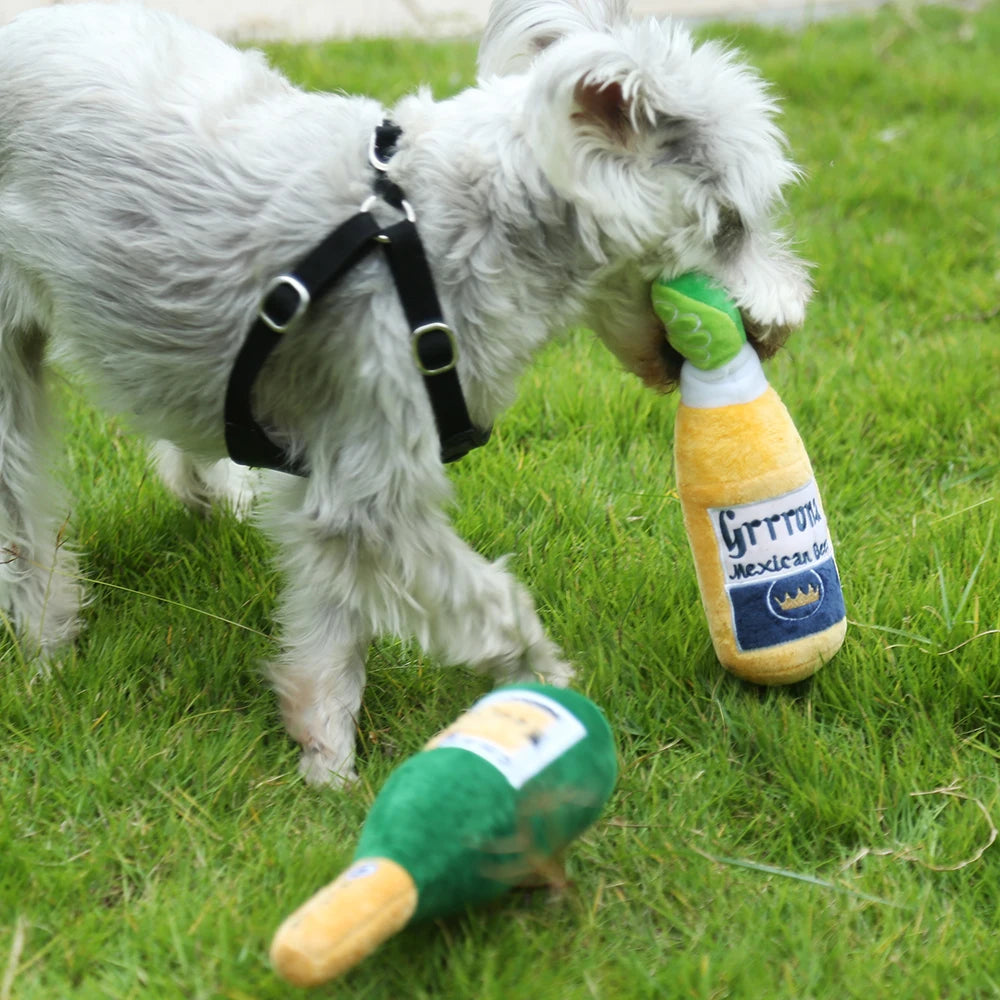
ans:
(758, 532)
(489, 803)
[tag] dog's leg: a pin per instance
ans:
(39, 592)
(478, 614)
(319, 679)
(202, 485)
(462, 608)
(320, 674)
(415, 580)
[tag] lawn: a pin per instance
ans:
(834, 839)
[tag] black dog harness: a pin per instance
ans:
(288, 297)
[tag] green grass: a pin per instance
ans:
(829, 840)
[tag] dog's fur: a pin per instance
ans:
(152, 180)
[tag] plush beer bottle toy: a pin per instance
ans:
(489, 803)
(753, 516)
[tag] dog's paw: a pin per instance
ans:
(321, 769)
(40, 609)
(772, 298)
(560, 674)
(201, 486)
(543, 668)
(769, 319)
(232, 487)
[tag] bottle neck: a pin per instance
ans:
(740, 380)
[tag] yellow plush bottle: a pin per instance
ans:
(758, 532)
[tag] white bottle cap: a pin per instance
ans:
(738, 381)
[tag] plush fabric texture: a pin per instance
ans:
(702, 321)
(490, 803)
(465, 834)
(343, 923)
(749, 457)
(761, 544)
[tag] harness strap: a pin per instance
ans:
(383, 146)
(289, 296)
(285, 302)
(434, 347)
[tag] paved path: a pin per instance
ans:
(309, 19)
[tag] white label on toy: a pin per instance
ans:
(778, 567)
(771, 537)
(519, 732)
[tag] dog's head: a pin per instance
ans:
(668, 151)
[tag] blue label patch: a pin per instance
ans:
(778, 568)
(791, 607)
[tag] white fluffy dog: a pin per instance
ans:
(153, 180)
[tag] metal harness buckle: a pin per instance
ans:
(286, 281)
(452, 343)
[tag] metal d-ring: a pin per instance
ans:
(407, 208)
(373, 158)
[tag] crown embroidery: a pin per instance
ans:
(800, 599)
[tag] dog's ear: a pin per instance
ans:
(602, 122)
(606, 105)
(518, 30)
(589, 95)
